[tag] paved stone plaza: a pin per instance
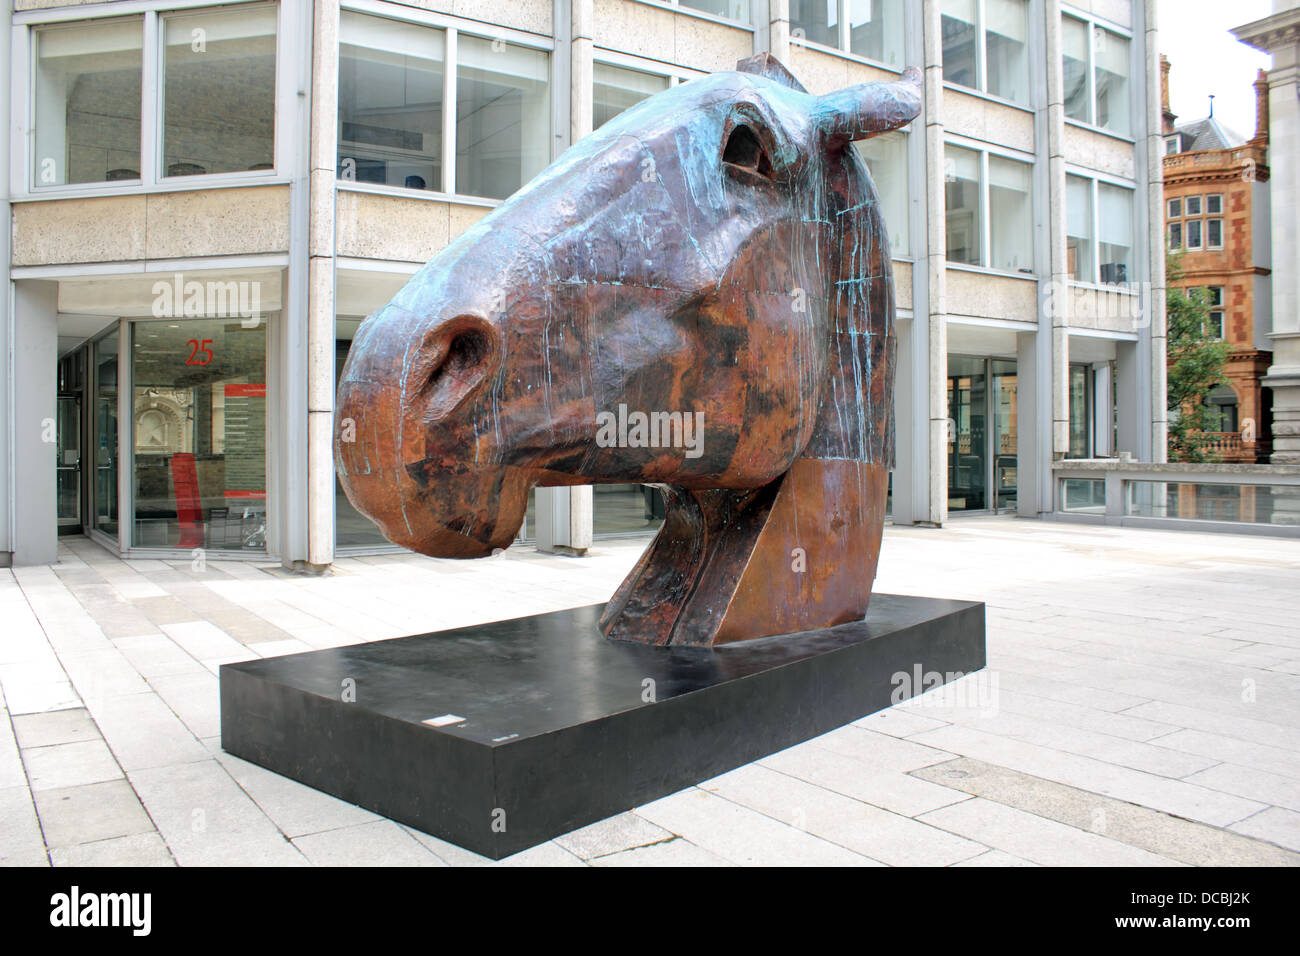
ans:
(1141, 706)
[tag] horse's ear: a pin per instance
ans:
(765, 64)
(870, 109)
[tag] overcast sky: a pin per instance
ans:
(1207, 59)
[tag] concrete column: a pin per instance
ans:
(564, 515)
(1050, 354)
(292, 449)
(1150, 225)
(778, 29)
(1128, 373)
(935, 264)
(1284, 157)
(322, 168)
(35, 396)
(1033, 464)
(7, 456)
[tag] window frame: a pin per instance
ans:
(1094, 23)
(1220, 309)
(1211, 246)
(23, 163)
(981, 61)
(983, 151)
(844, 38)
(452, 28)
(676, 6)
(1095, 180)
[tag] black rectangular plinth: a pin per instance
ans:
(558, 727)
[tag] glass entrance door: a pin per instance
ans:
(68, 467)
(1003, 397)
(981, 434)
(968, 462)
(103, 435)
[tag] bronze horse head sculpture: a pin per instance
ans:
(710, 265)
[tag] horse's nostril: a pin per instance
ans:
(460, 355)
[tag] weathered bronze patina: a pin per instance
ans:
(715, 253)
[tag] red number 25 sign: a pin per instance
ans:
(200, 352)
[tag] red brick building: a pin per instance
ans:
(1217, 219)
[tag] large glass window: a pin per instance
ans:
(1006, 32)
(992, 55)
(876, 30)
(1078, 228)
(1111, 78)
(503, 116)
(737, 10)
(872, 29)
(962, 191)
(219, 92)
(390, 102)
(1115, 228)
(960, 31)
(1096, 70)
(87, 104)
(615, 88)
(886, 158)
(816, 20)
(1074, 53)
(1006, 204)
(199, 434)
(1011, 218)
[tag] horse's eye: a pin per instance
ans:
(744, 151)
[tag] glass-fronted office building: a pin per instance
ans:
(203, 203)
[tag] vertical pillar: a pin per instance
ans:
(1152, 218)
(8, 459)
(564, 515)
(322, 166)
(1283, 376)
(35, 396)
(1054, 322)
(1127, 387)
(778, 29)
(1033, 460)
(936, 271)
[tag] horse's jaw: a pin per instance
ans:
(796, 555)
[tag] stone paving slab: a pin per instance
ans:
(1141, 705)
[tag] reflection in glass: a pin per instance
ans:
(1115, 224)
(1011, 215)
(1074, 54)
(503, 116)
(967, 434)
(1078, 228)
(1006, 33)
(87, 109)
(1004, 432)
(615, 89)
(962, 189)
(886, 158)
(1112, 52)
(816, 20)
(960, 36)
(219, 92)
(390, 102)
(199, 434)
(876, 30)
(103, 357)
(737, 10)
